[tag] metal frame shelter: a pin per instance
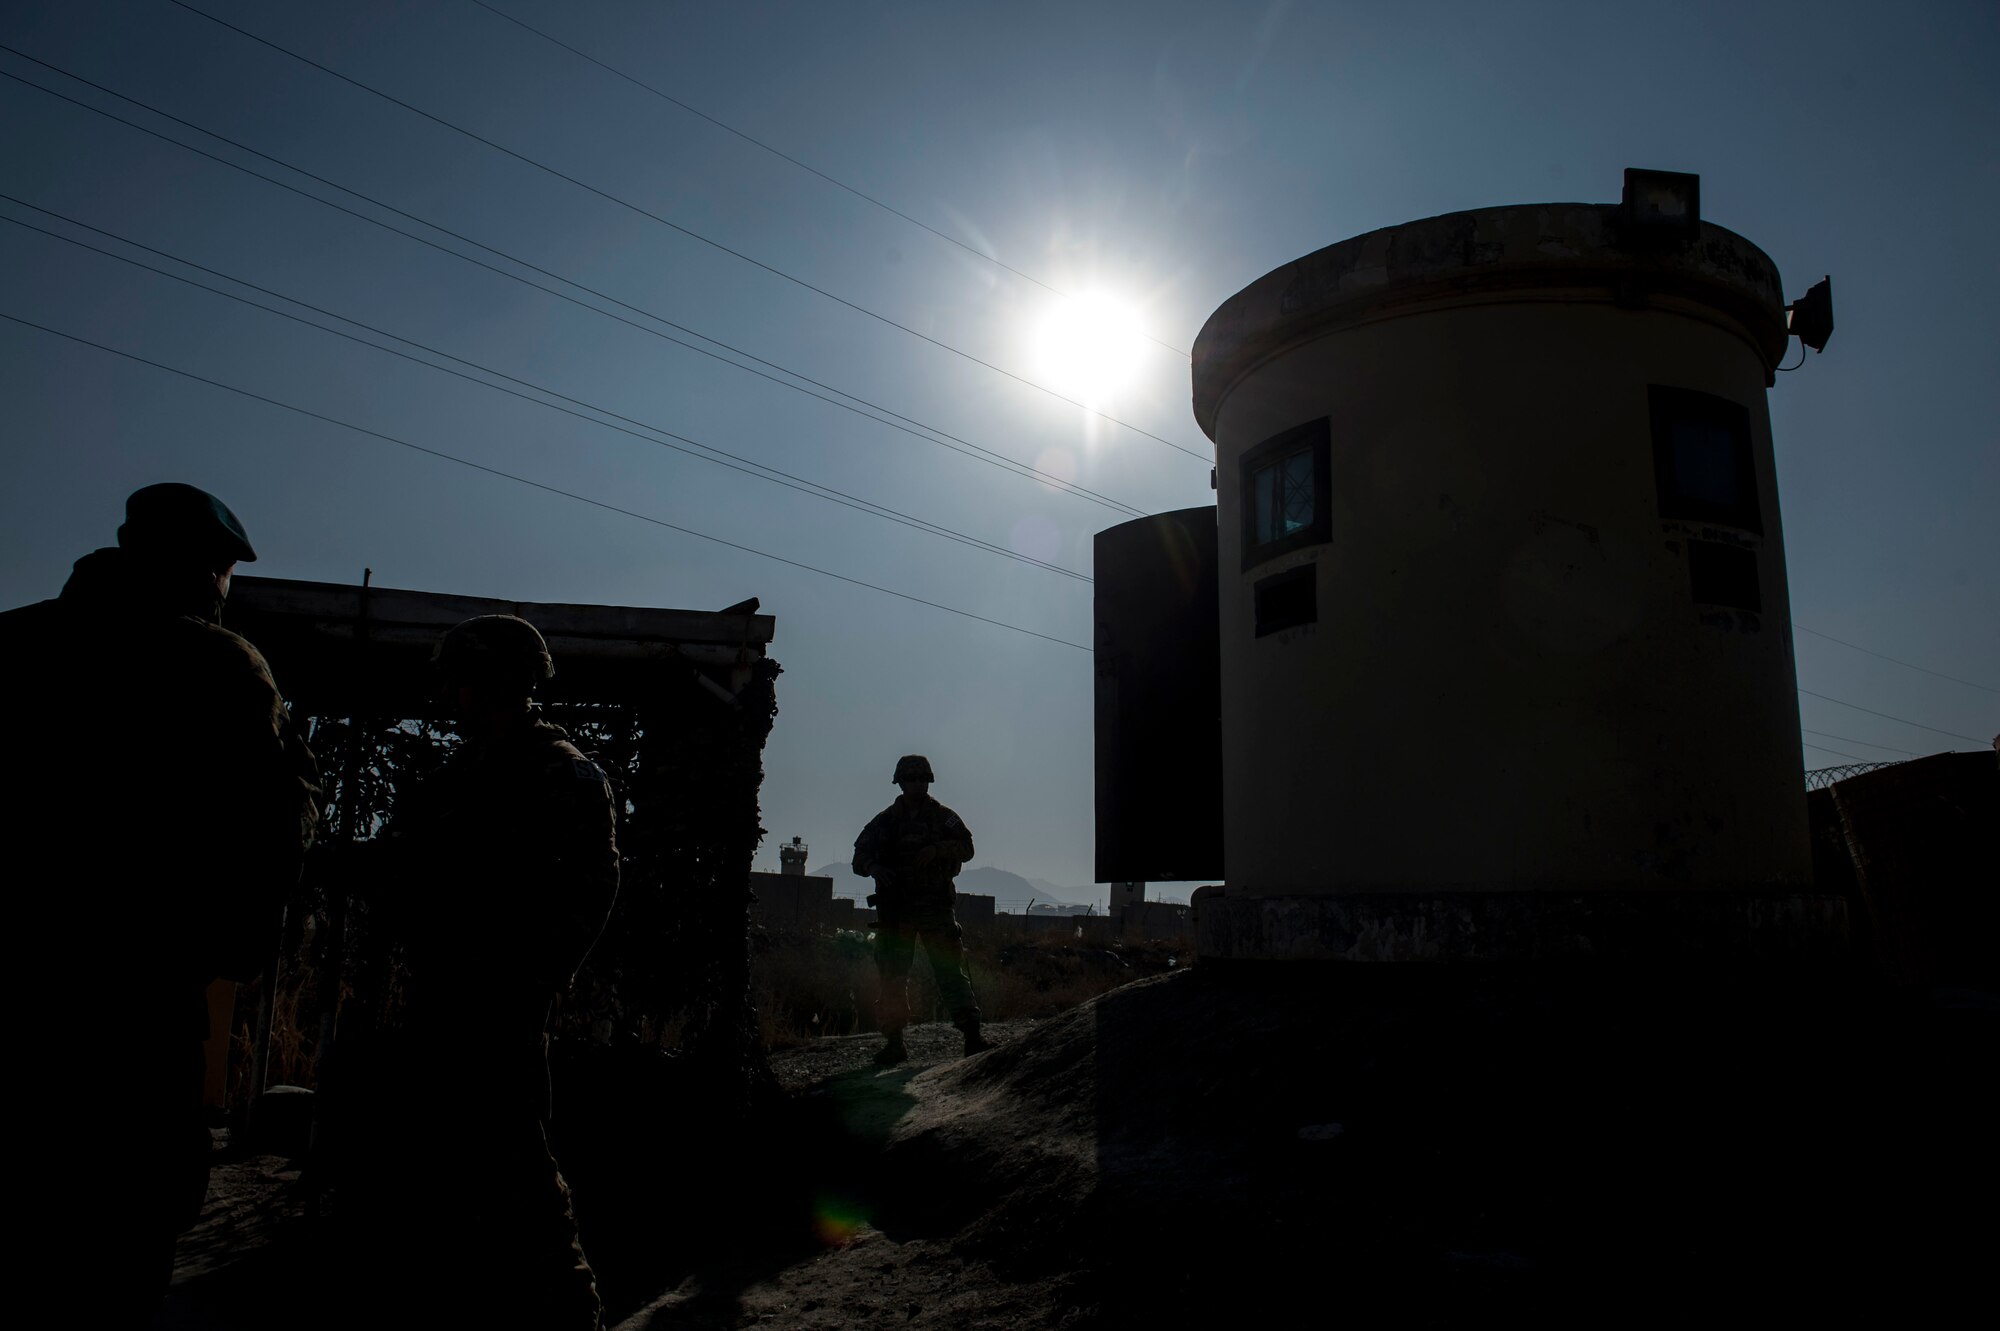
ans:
(674, 704)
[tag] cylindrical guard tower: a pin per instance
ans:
(1505, 646)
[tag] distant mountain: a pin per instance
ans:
(846, 882)
(1096, 894)
(1010, 891)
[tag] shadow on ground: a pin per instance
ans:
(1396, 1146)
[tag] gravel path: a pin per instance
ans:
(929, 1044)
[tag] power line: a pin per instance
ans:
(1849, 739)
(689, 232)
(915, 428)
(944, 439)
(533, 484)
(723, 458)
(748, 466)
(1886, 717)
(783, 156)
(1835, 752)
(1878, 655)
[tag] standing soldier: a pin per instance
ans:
(913, 850)
(503, 868)
(155, 822)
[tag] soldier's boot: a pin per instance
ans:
(892, 1051)
(974, 1041)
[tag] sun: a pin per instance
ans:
(1090, 347)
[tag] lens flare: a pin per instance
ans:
(1036, 537)
(838, 1221)
(1057, 462)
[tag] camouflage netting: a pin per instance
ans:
(672, 970)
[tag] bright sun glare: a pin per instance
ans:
(1090, 346)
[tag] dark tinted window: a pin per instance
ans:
(1287, 600)
(1721, 574)
(1285, 492)
(1702, 461)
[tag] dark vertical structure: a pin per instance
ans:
(1159, 700)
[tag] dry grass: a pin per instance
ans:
(804, 988)
(808, 987)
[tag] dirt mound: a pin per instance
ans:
(1430, 1145)
(1390, 1145)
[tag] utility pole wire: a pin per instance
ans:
(533, 484)
(723, 458)
(1886, 717)
(1877, 655)
(787, 157)
(915, 428)
(690, 233)
(1849, 739)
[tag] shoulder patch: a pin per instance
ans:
(578, 768)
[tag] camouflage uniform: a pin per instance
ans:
(914, 848)
(503, 869)
(155, 828)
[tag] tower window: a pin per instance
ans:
(1287, 600)
(1721, 574)
(1286, 493)
(1702, 461)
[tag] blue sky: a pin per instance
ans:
(1164, 154)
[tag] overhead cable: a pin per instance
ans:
(1835, 752)
(1849, 739)
(865, 197)
(1907, 665)
(689, 232)
(694, 447)
(534, 484)
(930, 434)
(1886, 717)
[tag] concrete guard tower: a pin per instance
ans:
(1506, 660)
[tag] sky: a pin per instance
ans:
(1134, 164)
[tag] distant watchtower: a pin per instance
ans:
(792, 858)
(1125, 894)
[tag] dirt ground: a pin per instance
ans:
(1389, 1146)
(252, 1250)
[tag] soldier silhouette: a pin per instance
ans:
(501, 869)
(156, 824)
(913, 850)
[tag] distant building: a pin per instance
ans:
(1062, 908)
(791, 901)
(847, 913)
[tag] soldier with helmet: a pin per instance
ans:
(913, 850)
(157, 821)
(503, 866)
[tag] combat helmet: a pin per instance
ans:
(177, 519)
(912, 767)
(493, 647)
